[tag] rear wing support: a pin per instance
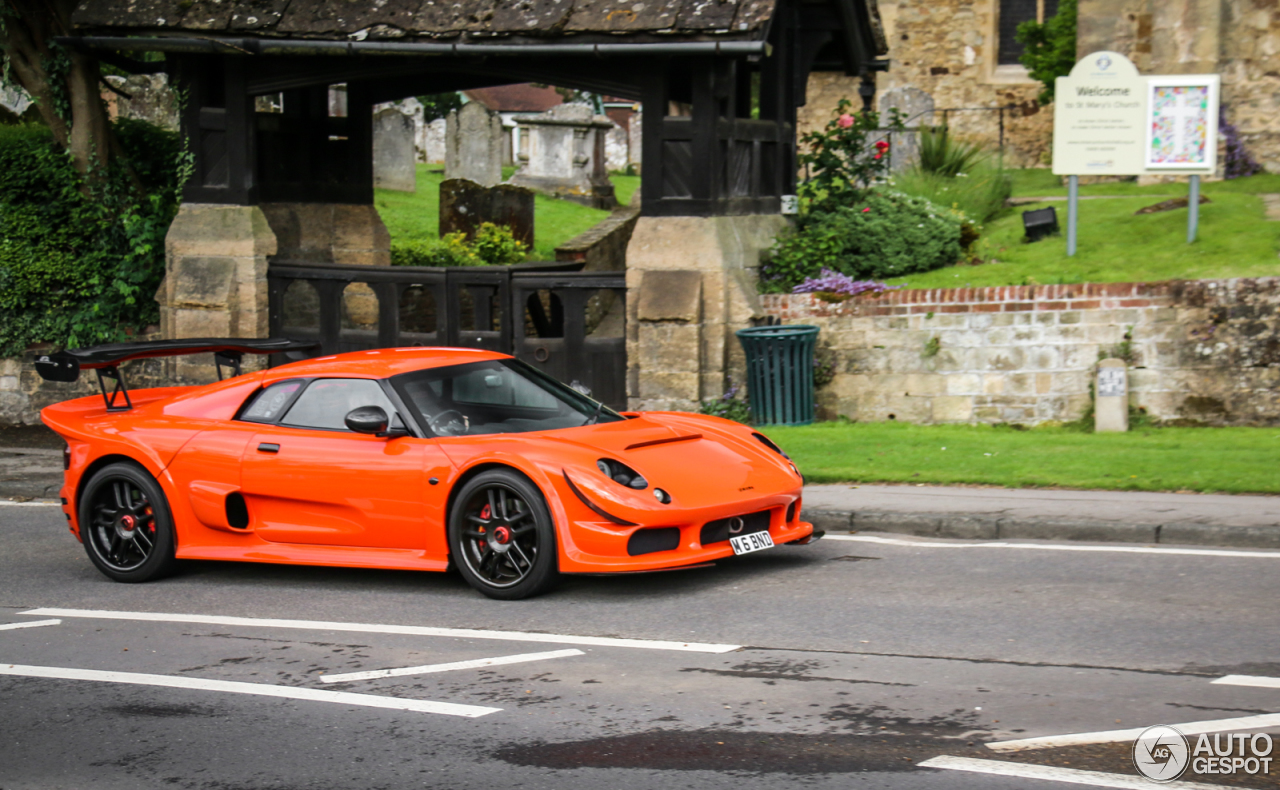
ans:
(105, 360)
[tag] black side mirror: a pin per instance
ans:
(367, 419)
(372, 419)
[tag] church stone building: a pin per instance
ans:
(961, 55)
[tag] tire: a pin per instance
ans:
(126, 525)
(501, 536)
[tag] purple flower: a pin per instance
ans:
(829, 281)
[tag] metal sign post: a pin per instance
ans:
(1193, 208)
(1073, 212)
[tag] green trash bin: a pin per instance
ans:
(780, 373)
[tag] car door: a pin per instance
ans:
(308, 480)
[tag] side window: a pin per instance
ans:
(498, 386)
(326, 402)
(267, 404)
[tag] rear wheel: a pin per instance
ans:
(126, 525)
(502, 538)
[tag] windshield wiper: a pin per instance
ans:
(596, 415)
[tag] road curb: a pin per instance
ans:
(980, 527)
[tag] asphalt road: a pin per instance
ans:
(841, 664)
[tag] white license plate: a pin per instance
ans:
(755, 541)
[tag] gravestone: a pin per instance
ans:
(465, 205)
(393, 151)
(431, 142)
(473, 145)
(565, 156)
(617, 148)
(635, 128)
(1111, 406)
(916, 107)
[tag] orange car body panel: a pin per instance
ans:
(354, 500)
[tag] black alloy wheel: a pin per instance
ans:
(126, 525)
(502, 537)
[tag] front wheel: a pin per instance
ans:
(502, 538)
(126, 525)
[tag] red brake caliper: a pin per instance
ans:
(485, 513)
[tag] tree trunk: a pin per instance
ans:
(64, 84)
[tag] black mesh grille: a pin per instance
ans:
(718, 531)
(647, 541)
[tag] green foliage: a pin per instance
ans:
(78, 269)
(887, 235)
(824, 367)
(844, 159)
(980, 194)
(493, 246)
(943, 155)
(496, 246)
(439, 105)
(1050, 47)
(728, 407)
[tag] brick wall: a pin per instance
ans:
(1205, 351)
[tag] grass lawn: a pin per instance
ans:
(1231, 460)
(417, 215)
(1114, 245)
(1041, 182)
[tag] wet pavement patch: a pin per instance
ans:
(1117, 758)
(748, 752)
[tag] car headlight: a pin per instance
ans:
(622, 474)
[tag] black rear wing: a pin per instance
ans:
(105, 359)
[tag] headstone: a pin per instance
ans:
(393, 151)
(1111, 401)
(473, 145)
(432, 141)
(148, 99)
(565, 155)
(635, 128)
(465, 205)
(616, 148)
(916, 108)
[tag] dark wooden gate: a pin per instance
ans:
(570, 324)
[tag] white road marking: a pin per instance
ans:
(45, 503)
(1052, 773)
(32, 624)
(1114, 736)
(411, 630)
(1249, 680)
(1053, 547)
(259, 689)
(430, 668)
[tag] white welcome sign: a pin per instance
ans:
(1109, 120)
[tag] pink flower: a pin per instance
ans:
(845, 121)
(882, 146)
(866, 210)
(877, 156)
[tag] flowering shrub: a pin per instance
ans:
(842, 161)
(886, 235)
(728, 406)
(1237, 162)
(494, 245)
(837, 284)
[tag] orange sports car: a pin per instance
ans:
(407, 458)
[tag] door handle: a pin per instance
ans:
(267, 447)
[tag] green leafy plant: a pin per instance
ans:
(81, 257)
(887, 235)
(439, 105)
(496, 245)
(980, 194)
(931, 347)
(941, 154)
(1050, 47)
(729, 408)
(846, 157)
(824, 367)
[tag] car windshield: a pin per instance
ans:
(495, 396)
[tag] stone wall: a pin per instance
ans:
(1205, 351)
(946, 48)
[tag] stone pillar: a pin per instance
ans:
(215, 281)
(691, 283)
(343, 233)
(473, 145)
(1111, 401)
